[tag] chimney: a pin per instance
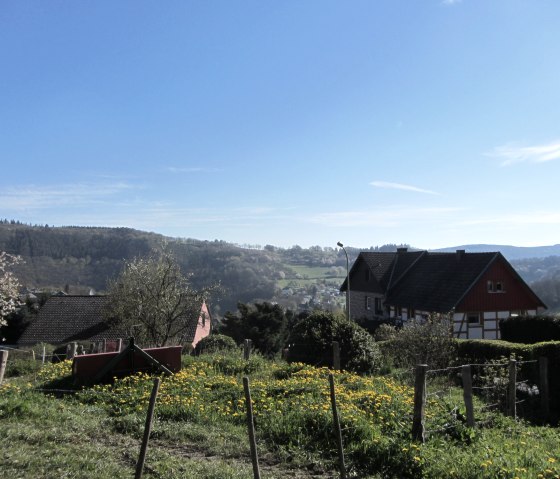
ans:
(460, 253)
(402, 250)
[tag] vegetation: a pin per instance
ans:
(215, 343)
(530, 329)
(200, 413)
(9, 285)
(427, 342)
(265, 324)
(311, 339)
(152, 296)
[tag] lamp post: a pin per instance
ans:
(340, 245)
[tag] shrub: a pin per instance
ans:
(429, 342)
(530, 329)
(21, 367)
(385, 332)
(312, 337)
(482, 351)
(214, 343)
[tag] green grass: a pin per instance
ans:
(310, 275)
(200, 428)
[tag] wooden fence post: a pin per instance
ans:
(336, 355)
(3, 363)
(337, 429)
(147, 430)
(251, 428)
(512, 386)
(467, 394)
(419, 403)
(543, 386)
(247, 349)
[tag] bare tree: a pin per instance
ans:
(153, 301)
(9, 285)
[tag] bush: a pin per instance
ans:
(429, 343)
(530, 329)
(385, 332)
(482, 351)
(312, 337)
(214, 343)
(21, 367)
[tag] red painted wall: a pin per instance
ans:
(204, 325)
(516, 295)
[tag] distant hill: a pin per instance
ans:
(510, 252)
(80, 259)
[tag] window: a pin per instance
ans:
(368, 275)
(495, 286)
(473, 318)
(378, 309)
(368, 304)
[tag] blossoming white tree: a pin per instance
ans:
(9, 285)
(154, 300)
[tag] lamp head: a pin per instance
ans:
(340, 245)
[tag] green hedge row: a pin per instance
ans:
(480, 351)
(530, 329)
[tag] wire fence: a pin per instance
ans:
(451, 399)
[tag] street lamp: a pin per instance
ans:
(340, 245)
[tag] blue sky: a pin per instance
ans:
(433, 123)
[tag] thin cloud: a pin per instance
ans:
(451, 2)
(511, 155)
(400, 186)
(78, 194)
(194, 169)
(386, 217)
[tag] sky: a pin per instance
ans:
(432, 123)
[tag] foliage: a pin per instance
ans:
(483, 351)
(312, 336)
(530, 329)
(153, 300)
(293, 422)
(265, 324)
(424, 342)
(215, 343)
(385, 332)
(9, 285)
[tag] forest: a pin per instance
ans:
(83, 259)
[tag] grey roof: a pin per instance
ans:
(430, 281)
(438, 281)
(69, 318)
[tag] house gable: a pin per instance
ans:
(500, 288)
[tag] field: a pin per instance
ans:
(309, 275)
(200, 429)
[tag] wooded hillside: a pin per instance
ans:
(78, 259)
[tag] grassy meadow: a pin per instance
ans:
(200, 427)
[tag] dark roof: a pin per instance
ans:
(439, 281)
(69, 318)
(190, 333)
(386, 267)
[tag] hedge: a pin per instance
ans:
(530, 329)
(481, 351)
